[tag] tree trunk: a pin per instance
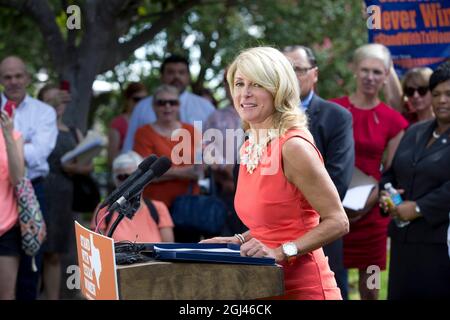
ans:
(81, 93)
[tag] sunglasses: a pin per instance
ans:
(122, 177)
(161, 102)
(409, 91)
(137, 99)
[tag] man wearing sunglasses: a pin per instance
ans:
(331, 127)
(175, 72)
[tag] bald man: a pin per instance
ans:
(36, 121)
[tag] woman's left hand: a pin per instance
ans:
(406, 211)
(69, 167)
(255, 248)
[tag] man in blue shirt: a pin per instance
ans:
(175, 72)
(331, 127)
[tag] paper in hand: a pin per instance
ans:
(359, 190)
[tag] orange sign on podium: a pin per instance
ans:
(96, 259)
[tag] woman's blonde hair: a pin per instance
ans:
(166, 88)
(373, 51)
(270, 69)
(417, 77)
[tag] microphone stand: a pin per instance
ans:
(127, 209)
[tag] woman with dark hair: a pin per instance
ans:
(59, 190)
(420, 263)
(134, 93)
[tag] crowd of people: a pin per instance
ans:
(283, 187)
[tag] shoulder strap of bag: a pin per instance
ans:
(153, 212)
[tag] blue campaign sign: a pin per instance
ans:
(417, 32)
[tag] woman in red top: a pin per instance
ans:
(169, 137)
(284, 194)
(376, 128)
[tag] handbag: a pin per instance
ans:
(32, 224)
(86, 195)
(203, 213)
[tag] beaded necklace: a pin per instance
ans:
(252, 153)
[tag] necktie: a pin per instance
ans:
(9, 107)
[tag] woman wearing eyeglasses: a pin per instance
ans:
(417, 96)
(134, 93)
(169, 137)
(377, 130)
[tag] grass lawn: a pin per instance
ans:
(353, 292)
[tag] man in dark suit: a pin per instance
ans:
(331, 127)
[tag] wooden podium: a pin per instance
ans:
(160, 280)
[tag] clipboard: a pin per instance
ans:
(359, 190)
(86, 150)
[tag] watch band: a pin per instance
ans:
(419, 213)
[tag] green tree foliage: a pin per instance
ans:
(209, 32)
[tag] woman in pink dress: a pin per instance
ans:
(284, 193)
(11, 171)
(377, 129)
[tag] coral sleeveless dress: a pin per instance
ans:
(276, 212)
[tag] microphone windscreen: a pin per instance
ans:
(161, 166)
(147, 162)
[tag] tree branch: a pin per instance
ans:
(44, 17)
(125, 49)
(18, 5)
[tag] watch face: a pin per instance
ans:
(290, 249)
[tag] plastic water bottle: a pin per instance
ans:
(396, 199)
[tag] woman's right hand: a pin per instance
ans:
(385, 202)
(221, 240)
(6, 123)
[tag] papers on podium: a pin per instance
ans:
(359, 190)
(207, 252)
(86, 150)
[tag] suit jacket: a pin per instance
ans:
(424, 174)
(332, 129)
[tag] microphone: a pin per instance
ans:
(143, 167)
(156, 170)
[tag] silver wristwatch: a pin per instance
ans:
(290, 250)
